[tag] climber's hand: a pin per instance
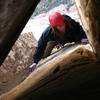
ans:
(84, 41)
(32, 67)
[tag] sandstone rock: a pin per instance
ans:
(19, 58)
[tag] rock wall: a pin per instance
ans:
(90, 15)
(14, 15)
(19, 58)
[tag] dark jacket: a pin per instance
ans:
(74, 33)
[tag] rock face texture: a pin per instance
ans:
(19, 58)
(90, 15)
(13, 17)
(69, 73)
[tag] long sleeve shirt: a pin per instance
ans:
(74, 33)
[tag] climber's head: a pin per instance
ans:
(57, 21)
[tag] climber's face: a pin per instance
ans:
(61, 28)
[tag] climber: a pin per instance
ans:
(62, 29)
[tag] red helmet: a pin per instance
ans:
(56, 19)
